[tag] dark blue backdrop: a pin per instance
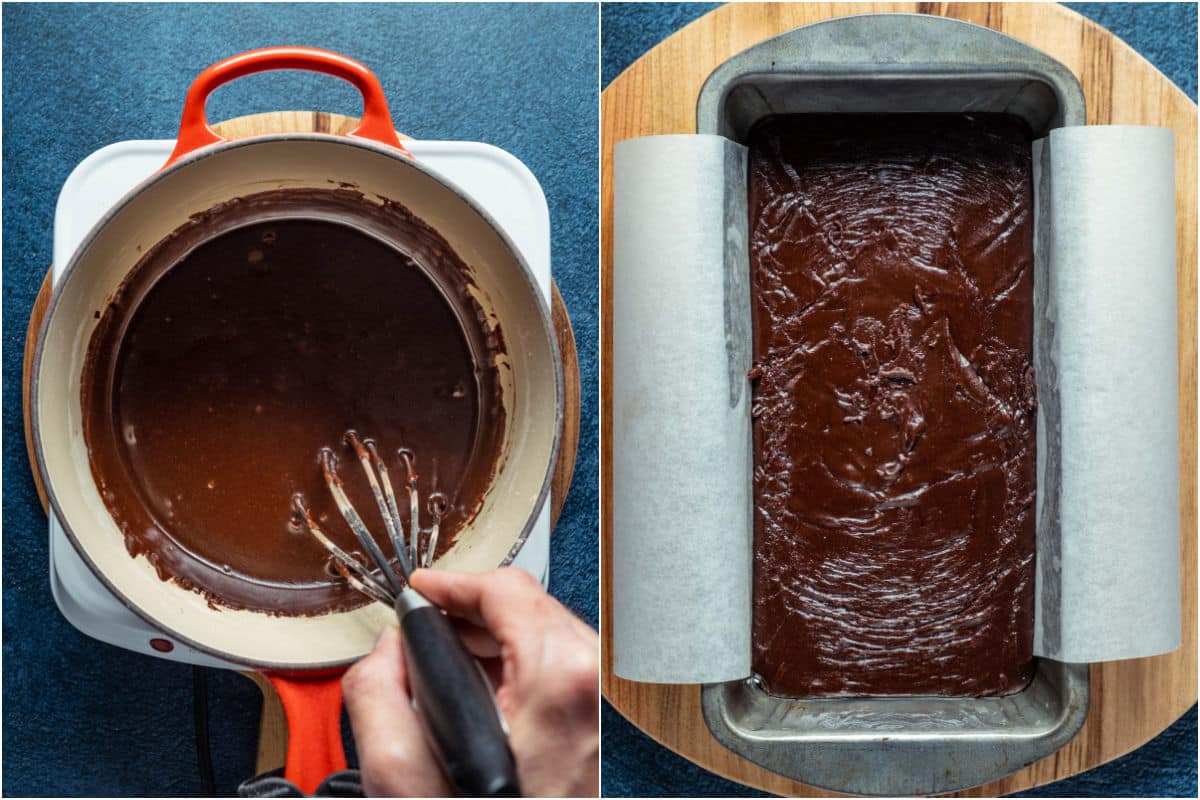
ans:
(82, 717)
(633, 764)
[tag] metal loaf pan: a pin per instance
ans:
(880, 63)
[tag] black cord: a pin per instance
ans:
(203, 747)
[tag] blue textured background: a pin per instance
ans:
(633, 764)
(84, 718)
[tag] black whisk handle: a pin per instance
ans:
(456, 701)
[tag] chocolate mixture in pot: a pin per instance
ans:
(254, 336)
(894, 404)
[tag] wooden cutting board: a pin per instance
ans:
(1131, 701)
(273, 726)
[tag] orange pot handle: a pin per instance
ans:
(313, 706)
(375, 125)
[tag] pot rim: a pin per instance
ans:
(199, 156)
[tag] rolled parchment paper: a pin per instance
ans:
(682, 514)
(1105, 353)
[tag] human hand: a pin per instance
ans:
(543, 660)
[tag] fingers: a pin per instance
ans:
(508, 602)
(549, 660)
(393, 754)
(477, 640)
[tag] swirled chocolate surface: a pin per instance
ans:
(894, 404)
(254, 336)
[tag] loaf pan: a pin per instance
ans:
(894, 63)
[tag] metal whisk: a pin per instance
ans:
(419, 549)
(448, 685)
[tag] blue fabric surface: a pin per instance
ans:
(635, 765)
(84, 718)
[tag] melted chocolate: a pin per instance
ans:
(254, 336)
(894, 406)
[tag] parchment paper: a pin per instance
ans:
(682, 462)
(1107, 584)
(1105, 353)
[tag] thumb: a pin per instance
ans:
(393, 754)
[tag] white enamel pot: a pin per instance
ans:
(303, 655)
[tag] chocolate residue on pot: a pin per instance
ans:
(894, 404)
(254, 336)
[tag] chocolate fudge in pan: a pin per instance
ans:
(894, 404)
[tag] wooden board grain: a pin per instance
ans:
(1131, 701)
(41, 304)
(272, 725)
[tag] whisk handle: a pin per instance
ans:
(456, 701)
